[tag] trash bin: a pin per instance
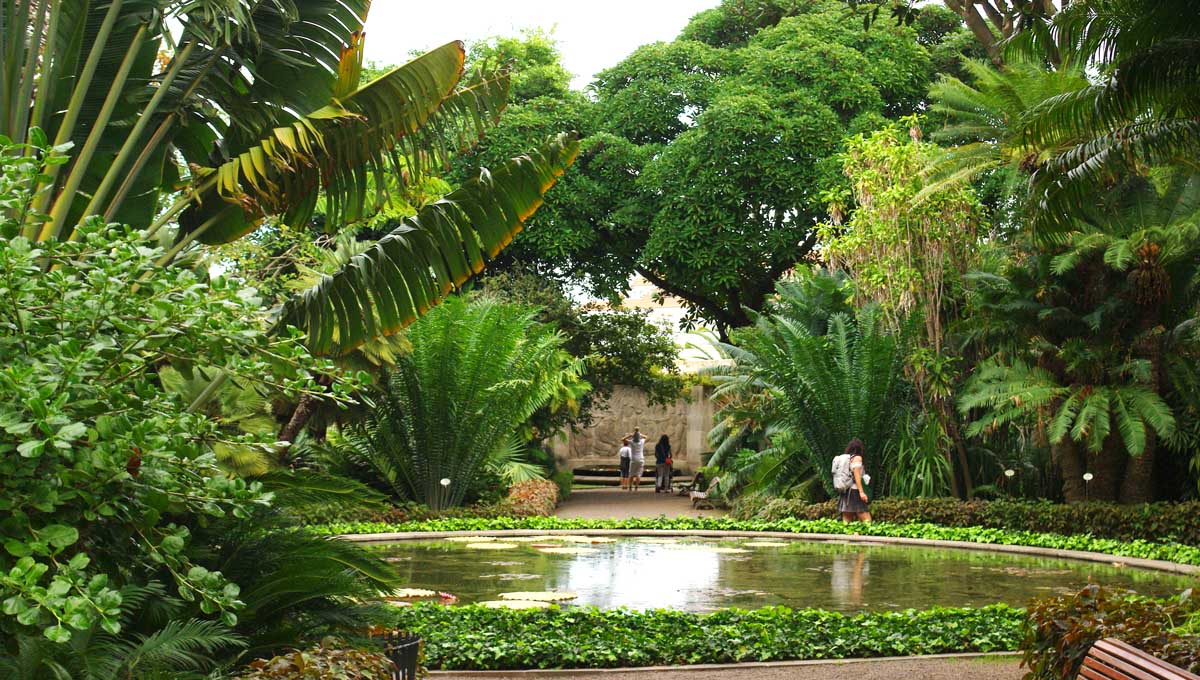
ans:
(404, 650)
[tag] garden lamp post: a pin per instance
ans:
(1009, 473)
(442, 495)
(1087, 477)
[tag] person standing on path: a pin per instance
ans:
(626, 457)
(662, 465)
(637, 459)
(852, 501)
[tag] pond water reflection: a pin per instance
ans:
(704, 575)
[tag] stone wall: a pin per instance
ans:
(686, 422)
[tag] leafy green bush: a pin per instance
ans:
(1166, 522)
(1060, 631)
(565, 479)
(476, 638)
(1173, 552)
(324, 662)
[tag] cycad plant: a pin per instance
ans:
(821, 392)
(1092, 336)
(1142, 110)
(198, 120)
(450, 408)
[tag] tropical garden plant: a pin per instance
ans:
(452, 407)
(821, 391)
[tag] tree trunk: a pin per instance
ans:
(305, 408)
(1107, 467)
(979, 27)
(1138, 484)
(961, 486)
(1066, 457)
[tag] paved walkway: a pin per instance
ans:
(617, 504)
(987, 668)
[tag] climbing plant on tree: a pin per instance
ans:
(907, 251)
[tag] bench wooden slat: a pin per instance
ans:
(1163, 669)
(1112, 659)
(1100, 672)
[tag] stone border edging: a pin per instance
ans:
(750, 665)
(1079, 555)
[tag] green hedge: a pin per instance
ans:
(476, 638)
(1158, 522)
(1173, 552)
(1060, 631)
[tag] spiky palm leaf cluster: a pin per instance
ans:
(477, 371)
(1144, 110)
(821, 392)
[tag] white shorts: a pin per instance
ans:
(636, 466)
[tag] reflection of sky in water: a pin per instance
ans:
(840, 576)
(643, 576)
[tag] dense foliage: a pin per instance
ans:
(324, 662)
(1173, 552)
(1166, 522)
(475, 638)
(450, 410)
(1060, 631)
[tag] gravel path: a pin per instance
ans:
(617, 504)
(986, 668)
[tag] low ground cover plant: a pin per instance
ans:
(1172, 552)
(1060, 631)
(477, 638)
(1165, 522)
(322, 662)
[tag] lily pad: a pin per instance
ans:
(767, 544)
(412, 593)
(569, 550)
(585, 539)
(658, 540)
(531, 539)
(492, 546)
(539, 596)
(515, 604)
(471, 539)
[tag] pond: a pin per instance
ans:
(704, 574)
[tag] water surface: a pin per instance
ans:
(690, 575)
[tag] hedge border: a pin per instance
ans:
(1172, 557)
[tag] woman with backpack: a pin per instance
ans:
(850, 481)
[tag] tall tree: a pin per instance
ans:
(702, 172)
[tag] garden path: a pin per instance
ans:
(618, 504)
(927, 668)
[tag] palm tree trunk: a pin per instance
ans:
(1066, 457)
(1108, 467)
(1138, 484)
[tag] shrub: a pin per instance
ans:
(1165, 522)
(476, 638)
(1060, 631)
(533, 498)
(321, 663)
(565, 479)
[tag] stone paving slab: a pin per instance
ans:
(620, 504)
(949, 667)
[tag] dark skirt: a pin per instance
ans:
(850, 501)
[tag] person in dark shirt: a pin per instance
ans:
(662, 465)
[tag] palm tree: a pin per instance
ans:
(452, 406)
(261, 102)
(981, 130)
(1144, 109)
(818, 392)
(1087, 335)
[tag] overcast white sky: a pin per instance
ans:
(593, 34)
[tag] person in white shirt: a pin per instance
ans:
(637, 458)
(625, 455)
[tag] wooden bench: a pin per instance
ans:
(1111, 659)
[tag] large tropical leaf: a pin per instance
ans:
(408, 271)
(376, 130)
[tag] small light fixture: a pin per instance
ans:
(1087, 476)
(1010, 473)
(445, 481)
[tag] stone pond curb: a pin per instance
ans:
(1115, 560)
(748, 666)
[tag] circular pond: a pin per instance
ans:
(704, 574)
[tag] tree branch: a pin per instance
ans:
(719, 314)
